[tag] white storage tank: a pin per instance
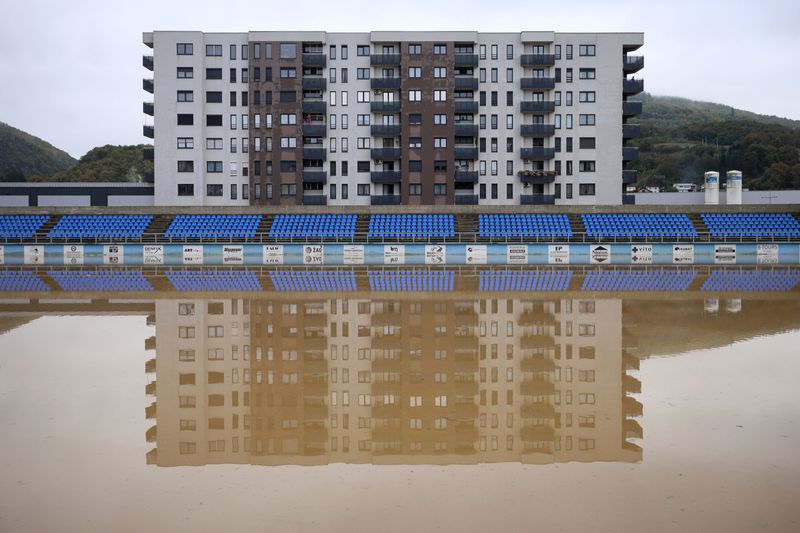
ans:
(711, 182)
(733, 180)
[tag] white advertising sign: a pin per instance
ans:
(394, 254)
(2, 255)
(767, 254)
(353, 254)
(599, 254)
(273, 254)
(517, 254)
(642, 254)
(312, 254)
(192, 255)
(434, 254)
(33, 255)
(112, 254)
(558, 254)
(476, 254)
(232, 254)
(683, 254)
(73, 254)
(725, 254)
(153, 254)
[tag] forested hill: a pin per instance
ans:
(106, 163)
(22, 155)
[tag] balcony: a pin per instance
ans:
(465, 107)
(315, 130)
(466, 60)
(466, 130)
(632, 64)
(632, 86)
(147, 62)
(314, 82)
(631, 131)
(466, 152)
(314, 199)
(537, 60)
(537, 107)
(537, 387)
(148, 131)
(537, 130)
(537, 199)
(390, 60)
(466, 176)
(466, 199)
(537, 153)
(314, 106)
(315, 176)
(630, 153)
(384, 107)
(149, 177)
(315, 153)
(538, 83)
(385, 153)
(386, 199)
(315, 60)
(628, 177)
(628, 199)
(384, 83)
(537, 176)
(466, 83)
(630, 109)
(147, 85)
(385, 130)
(148, 108)
(148, 153)
(385, 176)
(538, 365)
(150, 366)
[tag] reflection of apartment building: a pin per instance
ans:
(288, 380)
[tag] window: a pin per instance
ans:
(362, 166)
(185, 49)
(415, 119)
(509, 75)
(332, 75)
(482, 75)
(288, 119)
(569, 173)
(587, 96)
(214, 50)
(569, 121)
(414, 72)
(586, 166)
(569, 75)
(232, 76)
(509, 51)
(214, 166)
(414, 96)
(586, 143)
(362, 50)
(186, 119)
(415, 142)
(362, 97)
(363, 73)
(494, 75)
(214, 190)
(288, 72)
(494, 98)
(185, 166)
(557, 121)
(288, 51)
(213, 120)
(185, 189)
(214, 97)
(415, 165)
(439, 96)
(288, 189)
(344, 75)
(569, 144)
(493, 167)
(494, 51)
(344, 52)
(185, 72)
(587, 50)
(186, 96)
(569, 97)
(363, 189)
(440, 119)
(440, 189)
(440, 49)
(493, 122)
(569, 51)
(509, 98)
(440, 166)
(482, 52)
(362, 143)
(288, 142)
(440, 142)
(414, 49)
(414, 189)
(362, 120)
(509, 122)
(439, 72)
(213, 73)
(287, 96)
(185, 142)
(586, 120)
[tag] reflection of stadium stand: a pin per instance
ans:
(638, 280)
(313, 280)
(752, 280)
(21, 280)
(524, 280)
(108, 280)
(409, 280)
(189, 280)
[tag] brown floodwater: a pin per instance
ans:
(463, 410)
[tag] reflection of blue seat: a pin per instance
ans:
(313, 226)
(411, 226)
(638, 280)
(524, 225)
(187, 280)
(213, 226)
(100, 226)
(18, 281)
(313, 280)
(411, 281)
(524, 280)
(112, 280)
(21, 226)
(638, 225)
(752, 224)
(752, 280)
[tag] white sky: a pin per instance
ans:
(71, 70)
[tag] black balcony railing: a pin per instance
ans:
(147, 62)
(314, 106)
(630, 109)
(631, 131)
(148, 131)
(630, 153)
(465, 106)
(315, 154)
(148, 153)
(147, 85)
(385, 199)
(628, 177)
(537, 153)
(466, 199)
(315, 199)
(385, 176)
(385, 153)
(628, 199)
(465, 152)
(315, 60)
(537, 60)
(466, 83)
(632, 86)
(314, 82)
(148, 108)
(632, 63)
(385, 59)
(315, 176)
(385, 130)
(384, 83)
(538, 83)
(537, 176)
(544, 106)
(315, 130)
(537, 130)
(384, 107)
(466, 60)
(537, 199)
(148, 177)
(466, 130)
(466, 176)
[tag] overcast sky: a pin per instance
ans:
(71, 71)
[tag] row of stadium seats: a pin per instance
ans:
(638, 225)
(300, 226)
(21, 226)
(524, 225)
(752, 225)
(411, 226)
(213, 226)
(100, 226)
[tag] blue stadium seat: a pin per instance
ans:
(524, 280)
(639, 225)
(111, 280)
(638, 280)
(100, 227)
(213, 226)
(411, 226)
(313, 281)
(752, 224)
(411, 281)
(524, 225)
(752, 280)
(21, 226)
(20, 280)
(188, 280)
(313, 226)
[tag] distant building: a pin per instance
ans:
(392, 118)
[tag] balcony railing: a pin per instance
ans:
(385, 153)
(148, 131)
(465, 152)
(466, 60)
(148, 108)
(311, 106)
(148, 153)
(385, 130)
(632, 86)
(467, 106)
(385, 176)
(630, 109)
(315, 176)
(537, 107)
(147, 62)
(314, 199)
(466, 199)
(631, 131)
(632, 63)
(538, 83)
(314, 82)
(537, 130)
(628, 177)
(466, 82)
(628, 199)
(385, 107)
(147, 85)
(466, 130)
(385, 199)
(149, 177)
(384, 59)
(630, 153)
(315, 130)
(315, 60)
(537, 176)
(466, 176)
(537, 199)
(537, 60)
(384, 83)
(315, 153)
(537, 153)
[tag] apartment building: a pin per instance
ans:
(391, 118)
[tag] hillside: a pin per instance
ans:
(681, 139)
(22, 154)
(105, 163)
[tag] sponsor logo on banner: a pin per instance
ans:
(767, 254)
(73, 254)
(153, 254)
(192, 255)
(599, 254)
(517, 255)
(112, 254)
(2, 255)
(725, 254)
(434, 254)
(394, 254)
(353, 254)
(312, 254)
(642, 254)
(273, 254)
(558, 254)
(476, 254)
(232, 254)
(33, 255)
(683, 254)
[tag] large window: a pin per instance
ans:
(185, 49)
(213, 143)
(213, 120)
(214, 50)
(186, 96)
(213, 166)
(185, 119)
(185, 189)
(587, 73)
(185, 166)
(288, 51)
(586, 166)
(185, 72)
(213, 73)
(214, 189)
(185, 143)
(586, 120)
(587, 50)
